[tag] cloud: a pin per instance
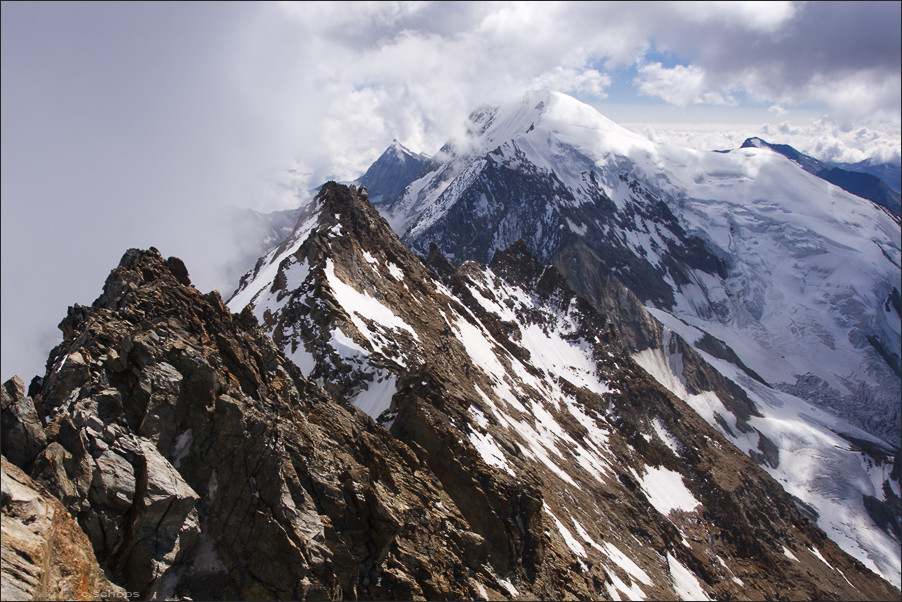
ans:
(680, 85)
(414, 70)
(822, 138)
(831, 140)
(865, 93)
(572, 81)
(765, 17)
(829, 53)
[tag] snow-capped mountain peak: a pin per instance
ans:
(392, 171)
(595, 368)
(543, 121)
(703, 235)
(744, 254)
(401, 152)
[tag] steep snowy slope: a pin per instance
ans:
(252, 234)
(795, 275)
(787, 284)
(506, 380)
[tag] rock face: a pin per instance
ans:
(46, 555)
(22, 432)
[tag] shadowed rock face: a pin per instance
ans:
(22, 433)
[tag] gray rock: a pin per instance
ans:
(114, 481)
(167, 498)
(22, 432)
(70, 373)
(46, 556)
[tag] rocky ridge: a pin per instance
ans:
(201, 465)
(454, 351)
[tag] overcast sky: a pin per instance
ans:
(135, 124)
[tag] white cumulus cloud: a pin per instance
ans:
(572, 81)
(821, 138)
(680, 85)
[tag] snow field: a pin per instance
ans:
(361, 305)
(558, 358)
(270, 267)
(665, 490)
(376, 398)
(685, 583)
(815, 464)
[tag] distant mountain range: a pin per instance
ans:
(890, 173)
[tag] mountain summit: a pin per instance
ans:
(392, 171)
(719, 241)
(777, 286)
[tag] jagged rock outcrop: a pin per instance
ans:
(46, 555)
(519, 452)
(201, 464)
(22, 432)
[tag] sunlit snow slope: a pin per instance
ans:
(794, 274)
(795, 280)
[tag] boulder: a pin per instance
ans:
(22, 432)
